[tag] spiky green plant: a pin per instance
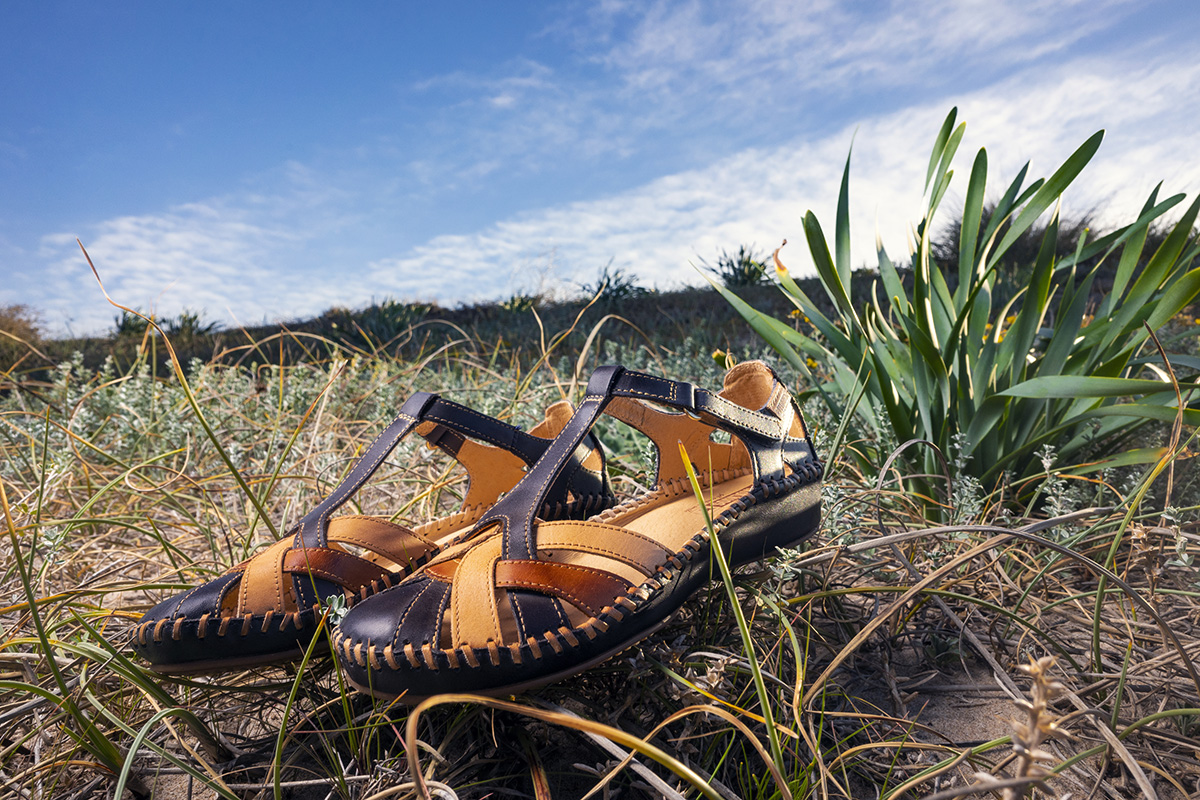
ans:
(743, 268)
(1065, 364)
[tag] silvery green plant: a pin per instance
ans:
(1065, 362)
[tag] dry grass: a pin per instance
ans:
(1002, 655)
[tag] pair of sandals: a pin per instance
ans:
(542, 573)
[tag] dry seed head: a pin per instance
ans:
(1039, 723)
(780, 269)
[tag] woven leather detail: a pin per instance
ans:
(269, 599)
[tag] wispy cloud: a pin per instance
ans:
(198, 256)
(787, 50)
(760, 195)
(683, 82)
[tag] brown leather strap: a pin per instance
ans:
(345, 569)
(588, 589)
(619, 544)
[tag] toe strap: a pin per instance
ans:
(204, 599)
(345, 569)
(588, 589)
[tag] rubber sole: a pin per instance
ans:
(241, 662)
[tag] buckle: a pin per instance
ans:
(686, 397)
(435, 435)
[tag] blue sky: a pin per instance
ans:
(266, 161)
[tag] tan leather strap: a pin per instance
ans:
(400, 545)
(474, 613)
(262, 586)
(620, 544)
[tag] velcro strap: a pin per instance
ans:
(345, 569)
(711, 407)
(588, 589)
(728, 413)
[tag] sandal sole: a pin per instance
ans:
(239, 662)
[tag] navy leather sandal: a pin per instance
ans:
(265, 610)
(522, 601)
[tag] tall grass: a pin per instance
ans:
(115, 500)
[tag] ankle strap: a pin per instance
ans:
(706, 406)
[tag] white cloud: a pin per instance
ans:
(197, 256)
(760, 195)
(687, 82)
(786, 49)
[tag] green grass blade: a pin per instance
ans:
(760, 686)
(765, 326)
(968, 238)
(1136, 306)
(1130, 255)
(1065, 332)
(939, 145)
(1034, 306)
(1181, 294)
(1074, 386)
(1049, 192)
(890, 277)
(1000, 213)
(1155, 411)
(831, 279)
(841, 228)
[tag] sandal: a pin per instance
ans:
(265, 610)
(521, 602)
